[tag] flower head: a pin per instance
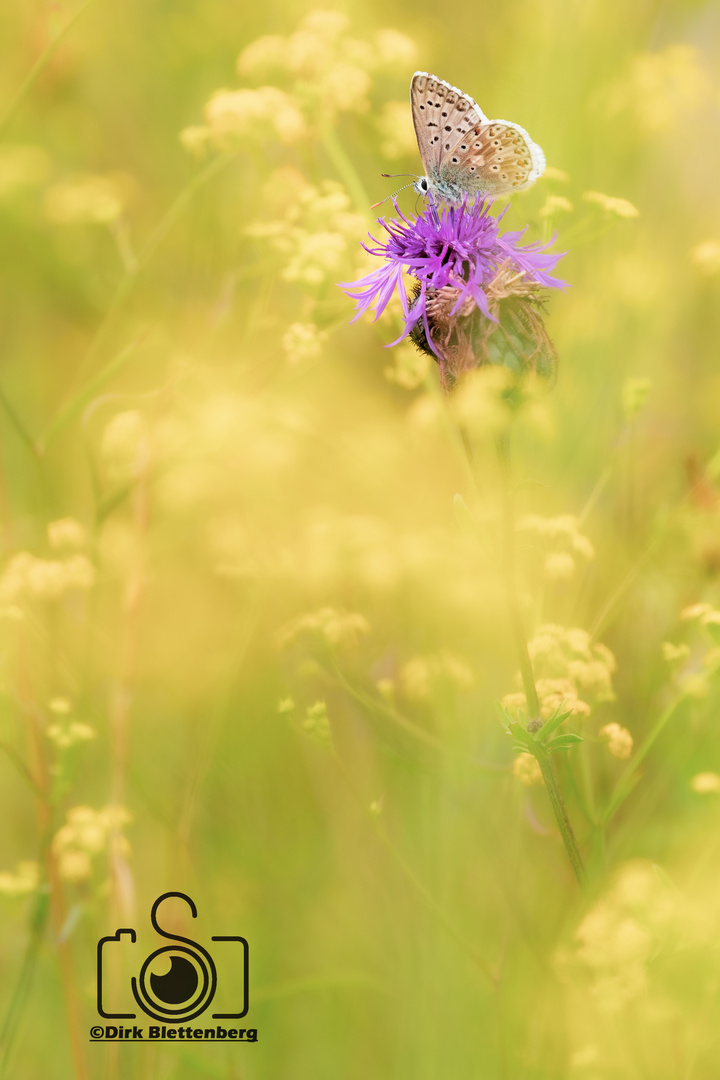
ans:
(464, 268)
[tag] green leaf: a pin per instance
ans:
(523, 737)
(505, 718)
(563, 742)
(554, 722)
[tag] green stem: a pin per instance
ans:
(561, 815)
(427, 898)
(88, 392)
(523, 654)
(19, 426)
(518, 630)
(625, 783)
(41, 62)
(346, 170)
(38, 923)
(130, 277)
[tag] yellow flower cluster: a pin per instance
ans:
(619, 935)
(562, 535)
(234, 115)
(86, 199)
(695, 682)
(566, 666)
(661, 88)
(526, 769)
(27, 577)
(706, 783)
(316, 724)
(25, 880)
(66, 533)
(330, 71)
(611, 204)
(619, 739)
(423, 675)
(84, 834)
(338, 629)
(67, 732)
(315, 230)
(556, 204)
(303, 342)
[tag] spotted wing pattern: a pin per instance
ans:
(442, 114)
(464, 153)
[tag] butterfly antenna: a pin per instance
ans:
(376, 204)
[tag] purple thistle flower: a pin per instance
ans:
(456, 249)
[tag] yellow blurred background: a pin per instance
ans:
(252, 628)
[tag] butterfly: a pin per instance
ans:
(464, 154)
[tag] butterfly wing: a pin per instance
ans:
(441, 114)
(495, 158)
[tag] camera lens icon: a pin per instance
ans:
(185, 988)
(177, 982)
(180, 991)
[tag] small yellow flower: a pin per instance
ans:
(66, 533)
(419, 677)
(706, 783)
(316, 724)
(60, 706)
(317, 257)
(85, 198)
(556, 204)
(303, 342)
(706, 257)
(29, 578)
(696, 611)
(560, 566)
(196, 140)
(74, 865)
(527, 769)
(86, 833)
(395, 49)
(67, 735)
(337, 628)
(551, 173)
(611, 204)
(233, 114)
(25, 880)
(673, 654)
(620, 741)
